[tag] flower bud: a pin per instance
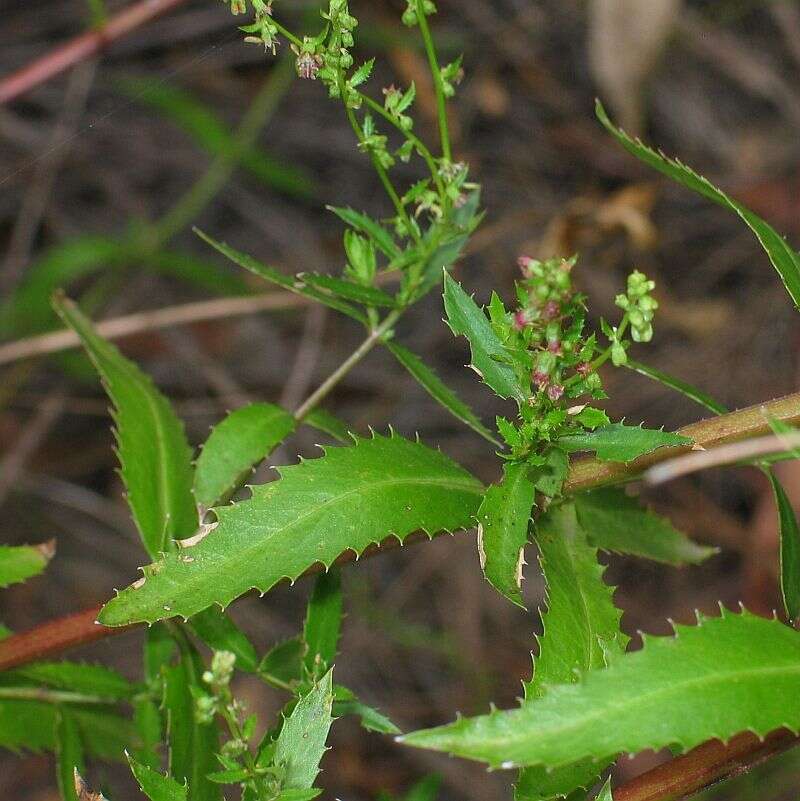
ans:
(554, 392)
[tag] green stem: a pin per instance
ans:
(210, 184)
(438, 84)
(344, 368)
(52, 696)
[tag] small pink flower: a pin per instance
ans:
(554, 392)
(521, 319)
(307, 64)
(554, 346)
(524, 263)
(584, 368)
(540, 378)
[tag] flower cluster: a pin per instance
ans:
(411, 15)
(639, 305)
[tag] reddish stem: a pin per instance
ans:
(703, 766)
(82, 47)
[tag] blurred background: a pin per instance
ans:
(104, 170)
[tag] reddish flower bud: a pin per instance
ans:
(584, 368)
(554, 346)
(524, 263)
(540, 378)
(551, 310)
(520, 320)
(554, 392)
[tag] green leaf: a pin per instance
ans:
(605, 793)
(426, 789)
(282, 665)
(69, 754)
(581, 625)
(155, 786)
(438, 390)
(362, 73)
(235, 445)
(466, 318)
(445, 254)
(192, 745)
(220, 633)
(21, 562)
(614, 521)
(620, 443)
(725, 675)
(31, 726)
(154, 455)
(147, 720)
(329, 424)
(346, 500)
(301, 743)
(205, 127)
(371, 719)
(677, 384)
(323, 622)
(790, 549)
(76, 677)
(504, 517)
(375, 231)
(784, 258)
(347, 290)
(287, 282)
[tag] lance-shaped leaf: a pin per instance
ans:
(154, 454)
(323, 623)
(346, 500)
(678, 385)
(614, 521)
(21, 562)
(371, 719)
(348, 290)
(75, 677)
(374, 230)
(605, 793)
(790, 549)
(439, 391)
(503, 520)
(783, 257)
(466, 318)
(155, 786)
(301, 743)
(581, 626)
(69, 754)
(31, 726)
(288, 282)
(723, 676)
(215, 628)
(620, 443)
(192, 745)
(245, 437)
(282, 665)
(329, 424)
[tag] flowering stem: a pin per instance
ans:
(438, 84)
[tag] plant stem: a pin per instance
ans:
(438, 84)
(316, 397)
(51, 696)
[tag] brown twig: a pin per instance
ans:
(674, 780)
(82, 47)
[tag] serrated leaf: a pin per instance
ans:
(75, 677)
(346, 500)
(245, 437)
(466, 318)
(301, 743)
(69, 754)
(725, 675)
(155, 786)
(323, 622)
(581, 625)
(790, 549)
(438, 390)
(154, 454)
(375, 231)
(20, 562)
(620, 443)
(348, 290)
(287, 282)
(504, 517)
(192, 745)
(614, 521)
(362, 73)
(219, 632)
(677, 384)
(784, 258)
